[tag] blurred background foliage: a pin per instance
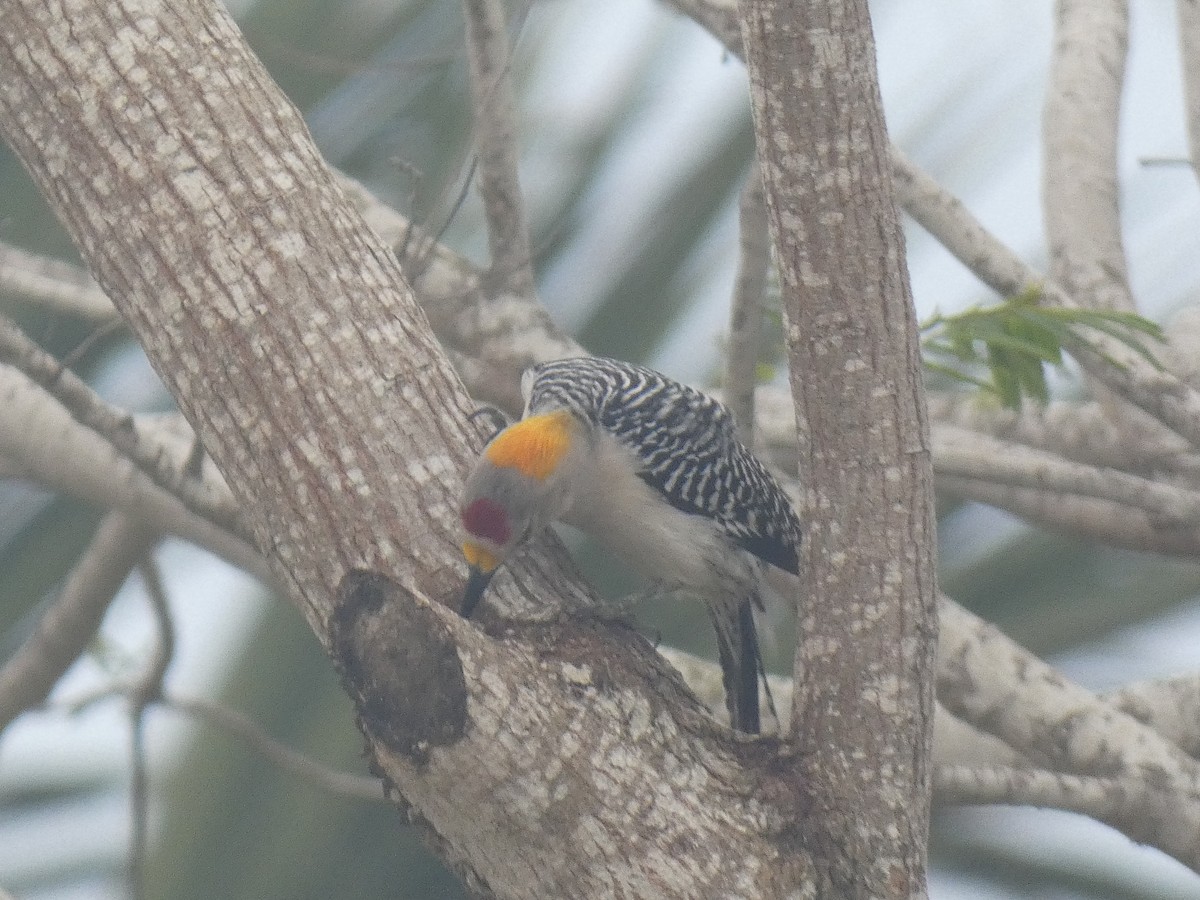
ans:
(635, 140)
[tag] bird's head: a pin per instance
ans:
(517, 487)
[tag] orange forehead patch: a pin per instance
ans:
(533, 446)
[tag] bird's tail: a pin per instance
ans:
(741, 663)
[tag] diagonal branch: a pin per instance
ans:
(69, 624)
(1155, 391)
(342, 784)
(114, 425)
(41, 441)
(52, 283)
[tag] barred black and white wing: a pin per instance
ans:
(686, 445)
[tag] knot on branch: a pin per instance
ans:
(399, 663)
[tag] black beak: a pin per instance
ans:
(476, 584)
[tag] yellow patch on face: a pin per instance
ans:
(533, 446)
(478, 558)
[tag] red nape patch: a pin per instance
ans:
(486, 518)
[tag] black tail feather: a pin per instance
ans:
(741, 665)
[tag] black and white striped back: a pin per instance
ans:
(686, 445)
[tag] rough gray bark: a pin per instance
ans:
(556, 760)
(863, 704)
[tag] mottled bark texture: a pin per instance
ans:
(559, 759)
(863, 705)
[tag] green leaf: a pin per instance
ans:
(1004, 349)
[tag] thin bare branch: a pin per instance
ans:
(243, 728)
(64, 630)
(116, 426)
(150, 685)
(147, 689)
(343, 784)
(496, 145)
(747, 307)
(1155, 391)
(42, 442)
(139, 791)
(491, 339)
(56, 285)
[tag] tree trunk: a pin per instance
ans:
(863, 704)
(556, 759)
(550, 757)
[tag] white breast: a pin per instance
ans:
(677, 549)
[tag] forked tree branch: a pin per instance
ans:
(293, 345)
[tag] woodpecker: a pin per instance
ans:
(652, 469)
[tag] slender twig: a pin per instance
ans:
(747, 306)
(242, 727)
(145, 692)
(151, 683)
(496, 146)
(80, 463)
(95, 336)
(343, 784)
(116, 426)
(138, 804)
(1156, 391)
(64, 630)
